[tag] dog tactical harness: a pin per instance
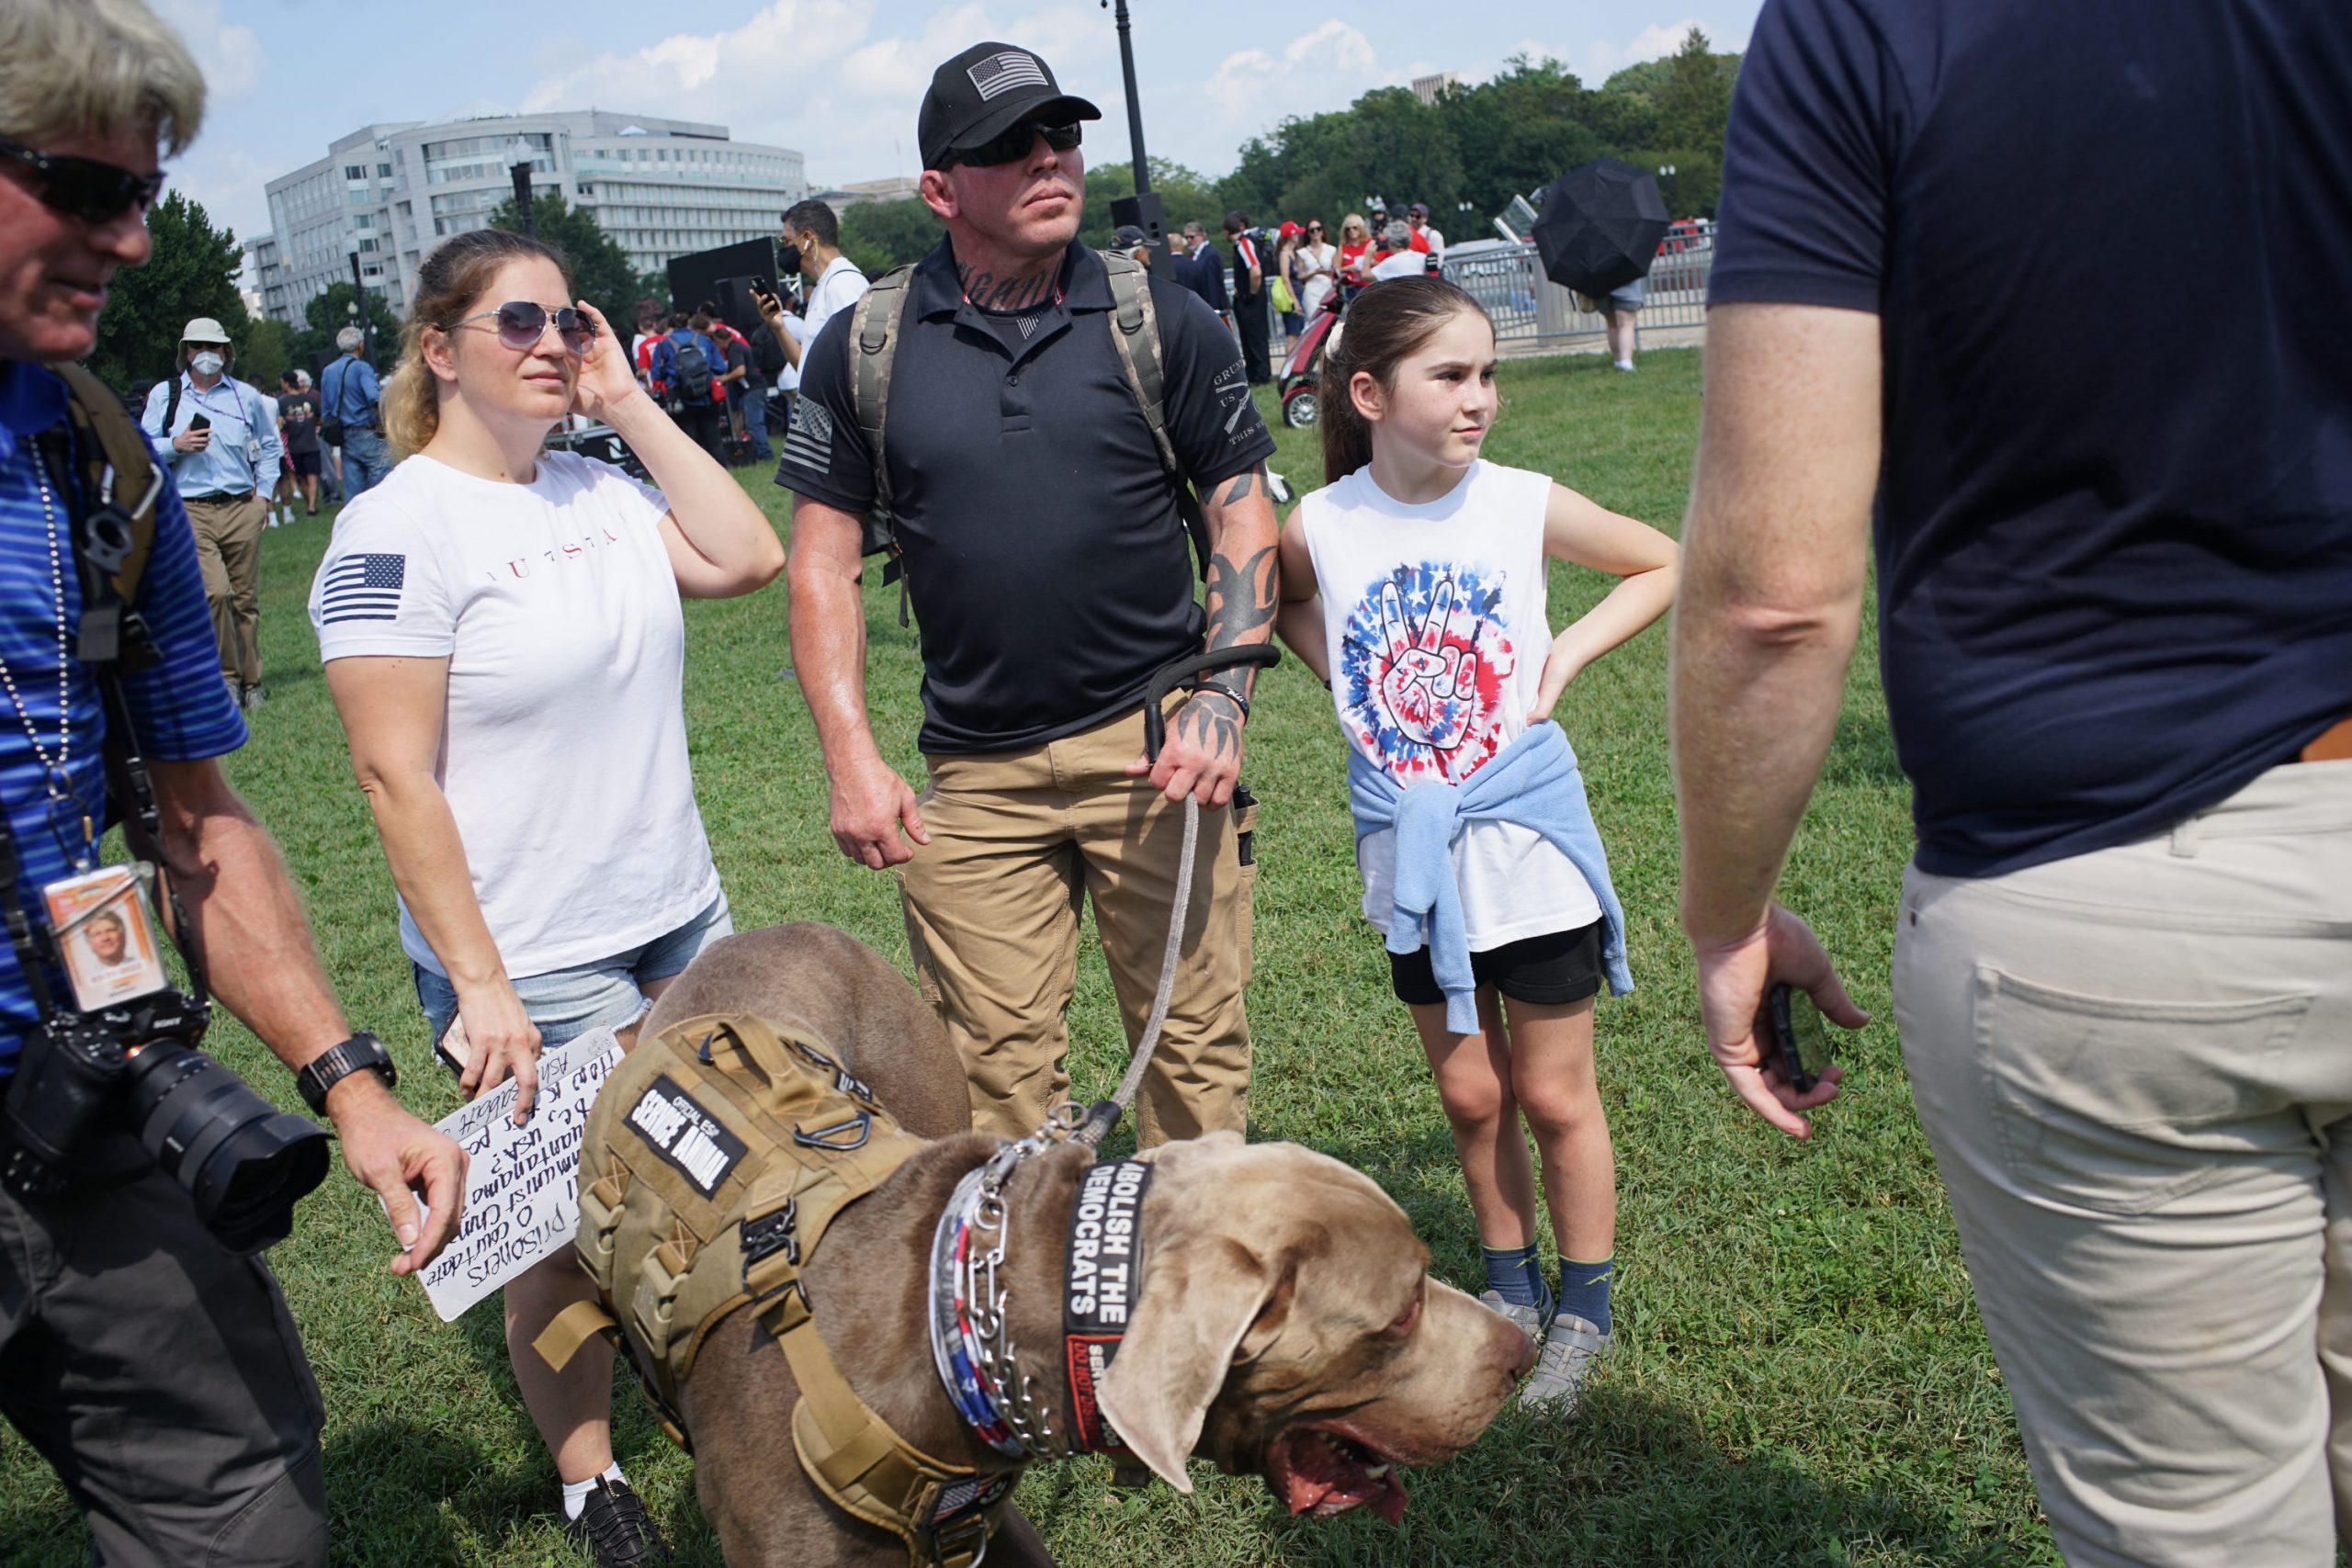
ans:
(717, 1155)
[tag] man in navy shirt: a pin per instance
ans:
(2114, 568)
(1048, 565)
(159, 1374)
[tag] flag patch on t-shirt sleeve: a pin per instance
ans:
(362, 588)
(810, 442)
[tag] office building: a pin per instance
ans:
(1429, 89)
(388, 194)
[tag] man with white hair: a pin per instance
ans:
(351, 417)
(157, 1372)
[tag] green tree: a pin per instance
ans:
(268, 352)
(1184, 197)
(878, 236)
(599, 267)
(192, 273)
(329, 314)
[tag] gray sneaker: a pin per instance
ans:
(1572, 1351)
(1528, 1320)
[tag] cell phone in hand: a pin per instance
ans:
(1797, 1041)
(453, 1050)
(198, 423)
(762, 285)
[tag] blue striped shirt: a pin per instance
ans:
(181, 706)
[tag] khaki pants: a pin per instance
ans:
(1017, 840)
(2135, 1067)
(228, 551)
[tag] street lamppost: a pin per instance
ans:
(520, 172)
(1666, 172)
(1144, 209)
(359, 298)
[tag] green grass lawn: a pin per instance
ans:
(1800, 1376)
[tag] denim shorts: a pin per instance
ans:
(566, 1003)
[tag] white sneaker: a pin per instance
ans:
(1627, 364)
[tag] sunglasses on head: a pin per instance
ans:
(85, 188)
(1014, 144)
(520, 323)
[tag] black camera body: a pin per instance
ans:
(96, 1095)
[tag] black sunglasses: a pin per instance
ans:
(1013, 144)
(85, 188)
(521, 322)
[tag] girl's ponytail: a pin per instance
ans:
(1381, 329)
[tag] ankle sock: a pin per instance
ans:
(1584, 1291)
(1513, 1273)
(575, 1492)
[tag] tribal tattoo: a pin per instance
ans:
(991, 292)
(1210, 721)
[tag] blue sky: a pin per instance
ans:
(839, 80)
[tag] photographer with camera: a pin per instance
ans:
(143, 1351)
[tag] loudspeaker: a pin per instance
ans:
(1146, 212)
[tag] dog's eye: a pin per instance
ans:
(1402, 1324)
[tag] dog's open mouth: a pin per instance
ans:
(1325, 1470)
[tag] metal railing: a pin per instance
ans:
(1529, 310)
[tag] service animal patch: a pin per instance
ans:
(675, 1126)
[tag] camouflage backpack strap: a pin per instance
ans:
(875, 325)
(1134, 332)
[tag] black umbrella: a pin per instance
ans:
(1600, 226)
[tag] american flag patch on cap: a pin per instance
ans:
(1000, 73)
(362, 588)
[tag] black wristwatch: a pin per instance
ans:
(363, 1051)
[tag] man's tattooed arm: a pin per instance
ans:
(1241, 603)
(996, 291)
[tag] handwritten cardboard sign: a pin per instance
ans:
(522, 1183)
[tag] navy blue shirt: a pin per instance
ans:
(1047, 561)
(180, 705)
(2107, 241)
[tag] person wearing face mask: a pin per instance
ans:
(810, 244)
(224, 450)
(494, 621)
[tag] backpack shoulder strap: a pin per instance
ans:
(873, 325)
(119, 467)
(171, 405)
(1134, 332)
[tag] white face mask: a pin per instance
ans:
(207, 364)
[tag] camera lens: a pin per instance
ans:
(243, 1161)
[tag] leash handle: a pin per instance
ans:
(1187, 670)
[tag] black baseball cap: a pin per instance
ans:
(989, 89)
(1127, 238)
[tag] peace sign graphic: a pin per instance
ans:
(1425, 659)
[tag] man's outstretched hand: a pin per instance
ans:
(1733, 980)
(402, 1159)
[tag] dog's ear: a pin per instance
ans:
(1200, 1305)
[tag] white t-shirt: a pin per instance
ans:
(789, 378)
(1403, 264)
(838, 288)
(563, 755)
(1434, 617)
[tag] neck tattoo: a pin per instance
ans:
(1002, 291)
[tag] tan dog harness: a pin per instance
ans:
(717, 1155)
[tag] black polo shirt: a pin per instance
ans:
(1047, 560)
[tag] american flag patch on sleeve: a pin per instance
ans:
(362, 588)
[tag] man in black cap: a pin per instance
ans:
(1048, 561)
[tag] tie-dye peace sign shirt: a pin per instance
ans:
(1434, 616)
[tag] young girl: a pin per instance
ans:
(1414, 584)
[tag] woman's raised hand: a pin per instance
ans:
(607, 377)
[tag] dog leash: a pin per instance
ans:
(1104, 1115)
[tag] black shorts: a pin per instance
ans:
(305, 462)
(1553, 969)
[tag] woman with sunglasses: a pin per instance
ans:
(503, 640)
(1355, 255)
(1317, 262)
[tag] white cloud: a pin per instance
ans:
(228, 52)
(1327, 67)
(809, 75)
(1604, 59)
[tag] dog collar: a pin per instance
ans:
(971, 1341)
(1101, 1275)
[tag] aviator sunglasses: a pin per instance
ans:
(86, 189)
(1015, 143)
(520, 322)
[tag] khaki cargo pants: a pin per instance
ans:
(228, 553)
(1018, 839)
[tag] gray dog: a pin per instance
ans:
(1287, 1324)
